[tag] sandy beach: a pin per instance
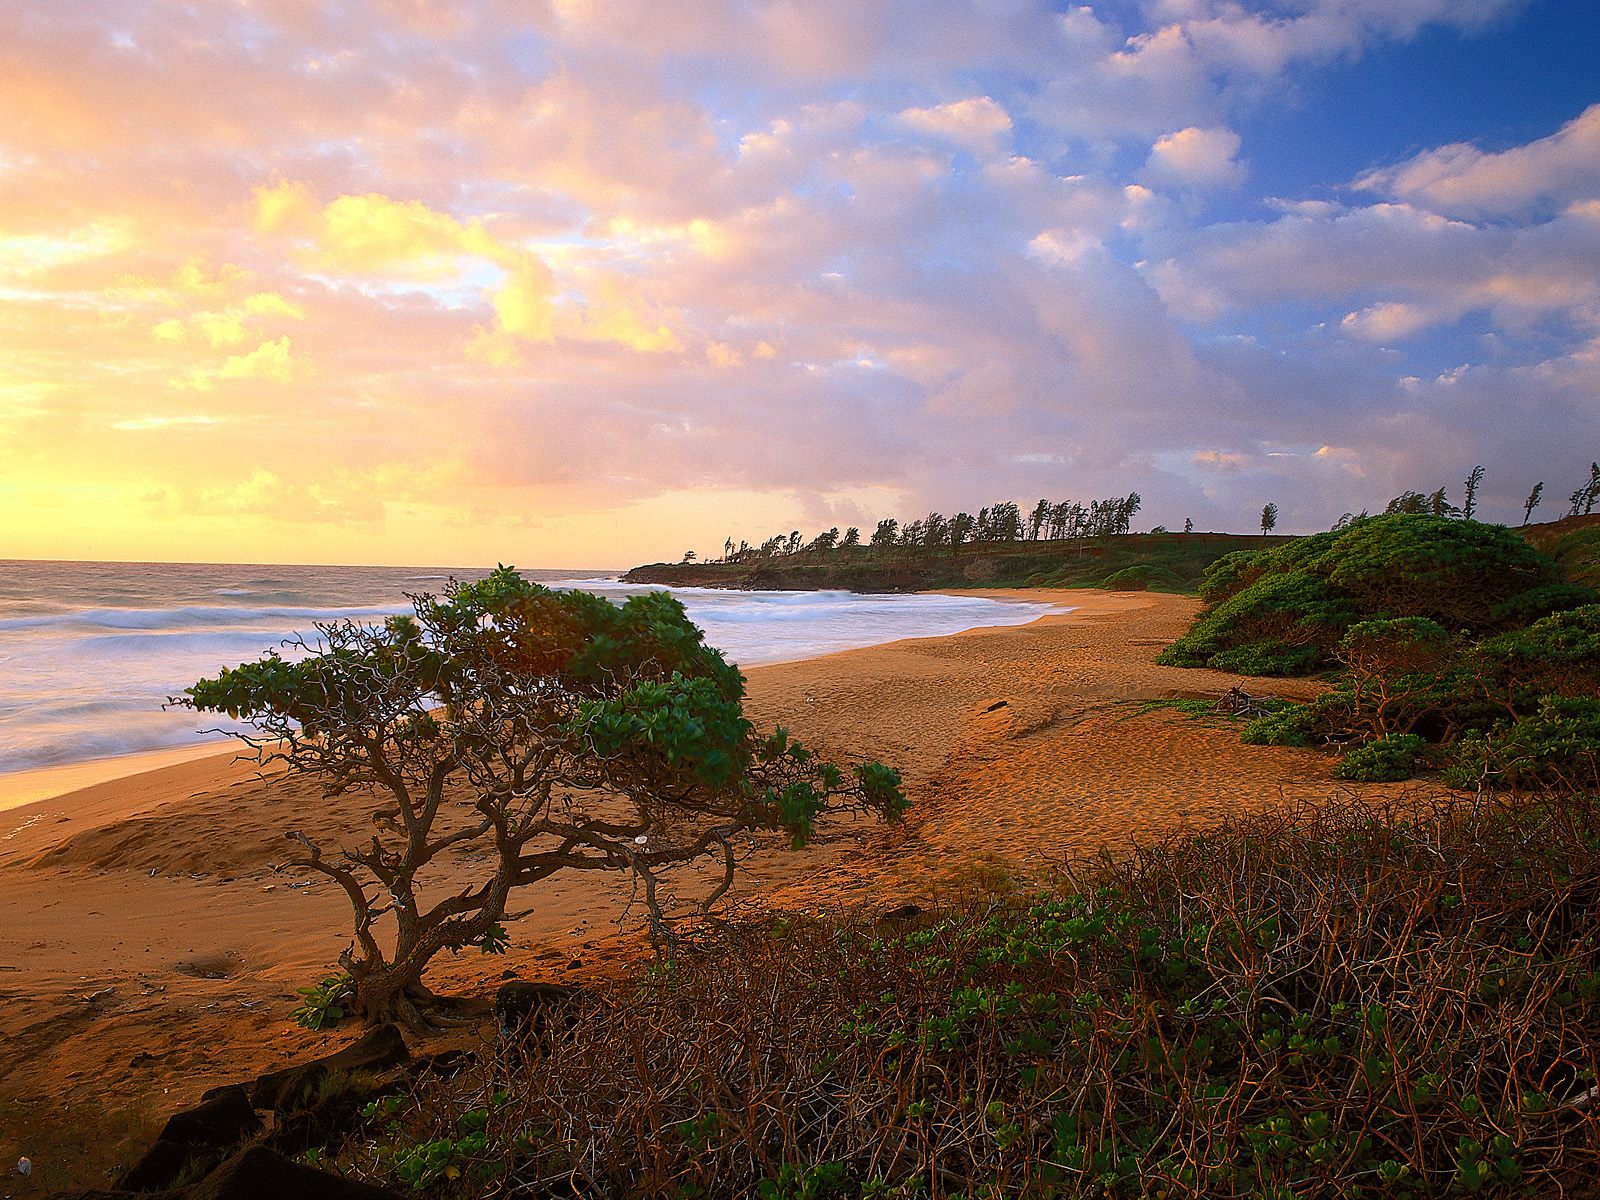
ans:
(154, 939)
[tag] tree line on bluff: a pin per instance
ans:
(1069, 520)
(1001, 522)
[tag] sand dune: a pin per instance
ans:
(154, 938)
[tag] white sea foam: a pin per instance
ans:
(90, 651)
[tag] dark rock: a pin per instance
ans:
(262, 1174)
(224, 1118)
(160, 1166)
(194, 1140)
(289, 1088)
(530, 1010)
(324, 1124)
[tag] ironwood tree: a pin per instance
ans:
(515, 732)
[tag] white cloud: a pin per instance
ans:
(1462, 180)
(1196, 159)
(976, 124)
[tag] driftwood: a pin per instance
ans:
(1237, 702)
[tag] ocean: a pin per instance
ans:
(90, 651)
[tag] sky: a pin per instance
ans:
(593, 282)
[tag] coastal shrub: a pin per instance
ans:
(1539, 602)
(1282, 624)
(1557, 746)
(1437, 628)
(515, 732)
(1229, 574)
(1557, 655)
(1284, 610)
(1382, 760)
(1455, 572)
(1335, 1001)
(1293, 725)
(1142, 577)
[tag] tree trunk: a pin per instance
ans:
(384, 993)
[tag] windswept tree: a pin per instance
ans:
(852, 538)
(885, 535)
(1439, 505)
(1129, 506)
(825, 541)
(1038, 519)
(1586, 494)
(1269, 519)
(1470, 504)
(960, 531)
(1532, 501)
(514, 733)
(1005, 521)
(1408, 502)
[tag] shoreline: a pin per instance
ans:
(42, 785)
(37, 784)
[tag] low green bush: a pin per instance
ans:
(1296, 725)
(1383, 760)
(1142, 577)
(1284, 610)
(1557, 746)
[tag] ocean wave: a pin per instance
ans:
(190, 615)
(90, 681)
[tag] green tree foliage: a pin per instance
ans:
(1532, 501)
(1554, 747)
(825, 541)
(1269, 519)
(1407, 501)
(530, 732)
(1470, 504)
(1038, 519)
